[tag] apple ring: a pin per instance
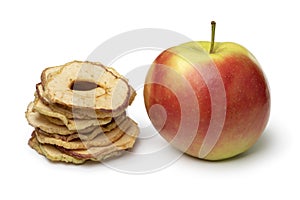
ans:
(87, 85)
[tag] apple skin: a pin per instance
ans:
(247, 103)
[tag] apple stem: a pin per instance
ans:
(212, 43)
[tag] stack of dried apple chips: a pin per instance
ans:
(78, 113)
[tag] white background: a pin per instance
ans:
(36, 34)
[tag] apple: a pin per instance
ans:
(209, 100)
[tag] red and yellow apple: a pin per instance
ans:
(209, 100)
